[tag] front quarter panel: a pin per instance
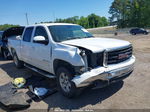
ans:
(67, 53)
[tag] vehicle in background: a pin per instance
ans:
(69, 53)
(135, 31)
(9, 33)
(1, 33)
(1, 43)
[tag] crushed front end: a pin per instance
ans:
(108, 66)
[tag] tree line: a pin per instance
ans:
(130, 13)
(124, 13)
(6, 26)
(91, 21)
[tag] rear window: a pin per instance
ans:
(28, 34)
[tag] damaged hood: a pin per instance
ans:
(97, 44)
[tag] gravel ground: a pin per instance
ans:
(132, 93)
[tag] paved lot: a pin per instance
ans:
(132, 93)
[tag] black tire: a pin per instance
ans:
(134, 33)
(145, 33)
(73, 91)
(6, 54)
(18, 63)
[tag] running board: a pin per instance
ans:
(46, 74)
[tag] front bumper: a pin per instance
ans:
(109, 73)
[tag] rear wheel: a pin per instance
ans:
(18, 63)
(133, 33)
(6, 54)
(65, 85)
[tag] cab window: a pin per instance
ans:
(40, 31)
(28, 34)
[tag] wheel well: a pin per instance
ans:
(2, 50)
(60, 63)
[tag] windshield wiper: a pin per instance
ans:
(90, 36)
(70, 38)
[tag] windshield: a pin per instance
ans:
(68, 32)
(142, 28)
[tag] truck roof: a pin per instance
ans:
(51, 24)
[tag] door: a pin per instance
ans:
(139, 31)
(41, 53)
(26, 45)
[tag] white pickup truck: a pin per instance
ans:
(69, 53)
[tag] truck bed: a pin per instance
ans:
(14, 42)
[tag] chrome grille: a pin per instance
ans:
(118, 56)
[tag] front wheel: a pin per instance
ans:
(65, 85)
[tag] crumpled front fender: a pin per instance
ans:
(69, 54)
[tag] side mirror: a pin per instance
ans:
(40, 39)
